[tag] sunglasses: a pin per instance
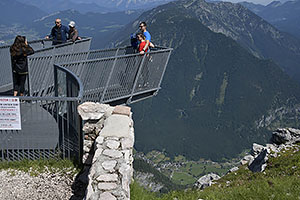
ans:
(57, 22)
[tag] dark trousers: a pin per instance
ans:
(19, 82)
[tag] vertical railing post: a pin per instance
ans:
(165, 67)
(109, 77)
(136, 78)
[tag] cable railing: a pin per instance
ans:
(41, 47)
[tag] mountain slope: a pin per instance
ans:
(279, 181)
(13, 11)
(97, 25)
(284, 16)
(60, 5)
(214, 91)
(249, 30)
(128, 4)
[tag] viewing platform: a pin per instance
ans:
(63, 76)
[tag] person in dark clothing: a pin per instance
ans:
(58, 33)
(73, 33)
(19, 52)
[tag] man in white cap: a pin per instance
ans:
(73, 33)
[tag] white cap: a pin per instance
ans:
(72, 24)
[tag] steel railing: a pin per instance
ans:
(41, 47)
(51, 126)
(105, 79)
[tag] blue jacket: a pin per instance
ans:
(55, 34)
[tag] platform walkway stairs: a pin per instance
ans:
(63, 76)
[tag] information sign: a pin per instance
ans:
(10, 115)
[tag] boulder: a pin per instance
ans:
(285, 135)
(260, 162)
(92, 111)
(256, 149)
(247, 159)
(206, 180)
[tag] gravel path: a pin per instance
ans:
(17, 185)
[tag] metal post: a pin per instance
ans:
(165, 67)
(109, 77)
(136, 78)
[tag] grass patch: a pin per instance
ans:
(183, 178)
(281, 180)
(35, 167)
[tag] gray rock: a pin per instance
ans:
(260, 162)
(247, 159)
(109, 165)
(112, 153)
(108, 178)
(89, 127)
(120, 194)
(271, 148)
(94, 196)
(97, 154)
(91, 110)
(116, 126)
(233, 169)
(107, 186)
(256, 149)
(285, 135)
(206, 180)
(88, 143)
(112, 144)
(107, 196)
(99, 140)
(127, 143)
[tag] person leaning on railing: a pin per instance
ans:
(142, 40)
(58, 33)
(19, 52)
(73, 33)
(143, 29)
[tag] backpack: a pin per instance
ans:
(134, 41)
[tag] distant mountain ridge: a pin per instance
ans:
(100, 6)
(128, 4)
(97, 25)
(13, 11)
(249, 30)
(60, 5)
(284, 16)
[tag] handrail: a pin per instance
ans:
(40, 48)
(78, 98)
(61, 45)
(107, 58)
(44, 40)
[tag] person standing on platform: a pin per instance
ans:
(73, 33)
(19, 52)
(58, 33)
(143, 28)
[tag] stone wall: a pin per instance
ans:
(108, 146)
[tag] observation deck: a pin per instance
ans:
(63, 76)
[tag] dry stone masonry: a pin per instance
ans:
(108, 146)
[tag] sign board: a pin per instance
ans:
(10, 115)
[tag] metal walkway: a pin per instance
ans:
(60, 77)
